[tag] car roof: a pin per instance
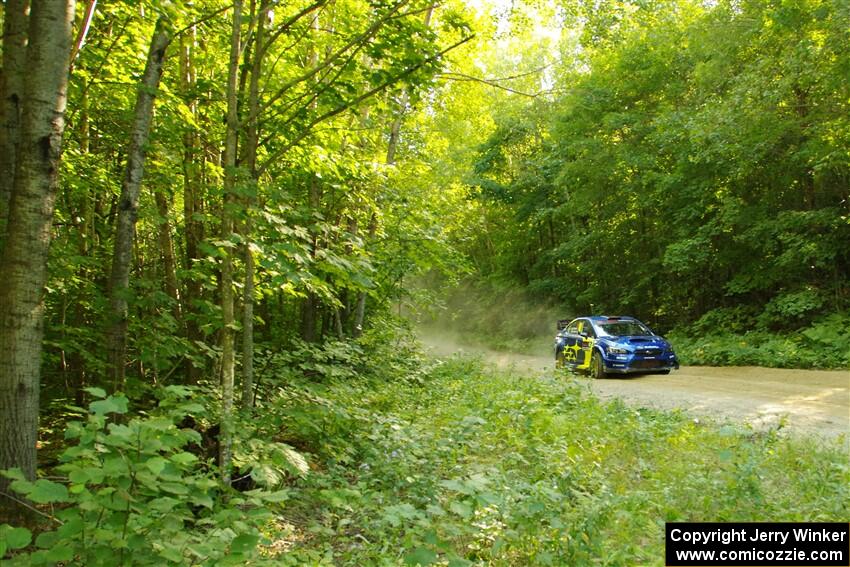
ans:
(607, 318)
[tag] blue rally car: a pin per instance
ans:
(604, 345)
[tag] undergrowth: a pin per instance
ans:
(717, 340)
(369, 454)
(476, 466)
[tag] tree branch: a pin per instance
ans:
(366, 35)
(84, 30)
(33, 508)
(289, 23)
(203, 20)
(331, 113)
(490, 82)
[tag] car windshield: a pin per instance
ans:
(624, 329)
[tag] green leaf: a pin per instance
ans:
(13, 538)
(13, 474)
(421, 556)
(179, 391)
(156, 465)
(164, 504)
(78, 476)
(461, 509)
(171, 554)
(244, 543)
(96, 392)
(278, 496)
(71, 528)
(174, 488)
(112, 404)
(45, 491)
(136, 541)
(202, 500)
(183, 458)
(60, 553)
(46, 540)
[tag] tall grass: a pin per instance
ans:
(470, 465)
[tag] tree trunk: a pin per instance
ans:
(395, 130)
(252, 142)
(310, 304)
(24, 256)
(248, 331)
(167, 248)
(309, 317)
(338, 327)
(360, 308)
(11, 99)
(192, 201)
(228, 359)
(128, 203)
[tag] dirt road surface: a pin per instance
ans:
(809, 402)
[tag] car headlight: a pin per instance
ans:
(617, 350)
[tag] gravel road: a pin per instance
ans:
(809, 402)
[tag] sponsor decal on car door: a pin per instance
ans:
(584, 345)
(571, 344)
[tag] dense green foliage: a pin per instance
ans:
(448, 461)
(693, 173)
(142, 488)
(132, 494)
(329, 220)
(479, 466)
(276, 201)
(682, 161)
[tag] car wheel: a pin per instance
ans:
(597, 369)
(559, 358)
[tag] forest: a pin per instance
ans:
(224, 224)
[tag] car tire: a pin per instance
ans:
(597, 368)
(559, 358)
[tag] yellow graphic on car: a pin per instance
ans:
(588, 351)
(571, 353)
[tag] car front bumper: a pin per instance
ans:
(632, 364)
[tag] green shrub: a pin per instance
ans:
(476, 466)
(730, 337)
(135, 495)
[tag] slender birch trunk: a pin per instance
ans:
(228, 359)
(310, 304)
(193, 205)
(395, 131)
(23, 259)
(128, 205)
(252, 143)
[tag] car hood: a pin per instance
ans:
(637, 342)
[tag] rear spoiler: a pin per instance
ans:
(562, 324)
